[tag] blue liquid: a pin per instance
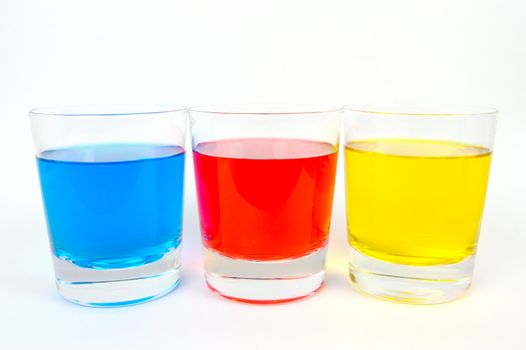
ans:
(113, 206)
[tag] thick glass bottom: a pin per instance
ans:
(265, 282)
(408, 284)
(118, 287)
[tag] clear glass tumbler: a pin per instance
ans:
(112, 186)
(265, 182)
(416, 181)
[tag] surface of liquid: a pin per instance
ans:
(113, 206)
(415, 202)
(265, 199)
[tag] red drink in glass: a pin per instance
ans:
(265, 181)
(265, 199)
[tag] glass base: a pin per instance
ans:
(265, 282)
(409, 284)
(118, 287)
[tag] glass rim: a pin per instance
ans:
(272, 109)
(422, 110)
(105, 110)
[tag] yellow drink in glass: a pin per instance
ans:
(415, 201)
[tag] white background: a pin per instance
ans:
(224, 51)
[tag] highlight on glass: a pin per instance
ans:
(112, 187)
(265, 181)
(416, 181)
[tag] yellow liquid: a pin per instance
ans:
(415, 202)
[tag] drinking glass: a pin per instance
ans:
(265, 181)
(416, 181)
(112, 187)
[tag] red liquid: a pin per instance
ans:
(265, 199)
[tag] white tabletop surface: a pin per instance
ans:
(200, 52)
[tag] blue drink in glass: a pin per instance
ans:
(112, 184)
(113, 208)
